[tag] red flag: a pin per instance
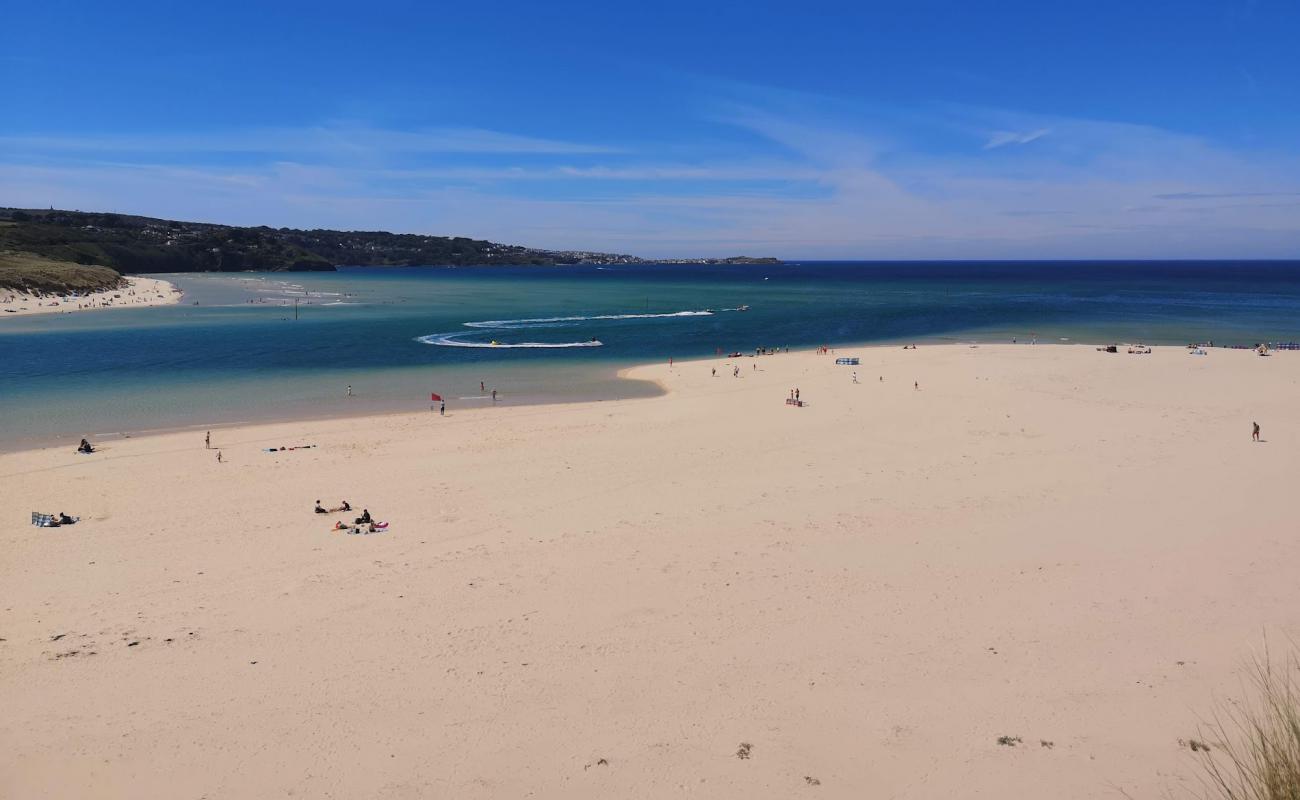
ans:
(435, 397)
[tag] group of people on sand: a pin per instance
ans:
(53, 520)
(365, 521)
(342, 506)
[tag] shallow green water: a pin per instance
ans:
(234, 351)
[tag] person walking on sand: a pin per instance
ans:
(715, 372)
(1254, 434)
(218, 456)
(916, 385)
(207, 441)
(349, 390)
(855, 377)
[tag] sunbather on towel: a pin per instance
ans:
(64, 519)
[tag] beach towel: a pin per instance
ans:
(380, 527)
(50, 521)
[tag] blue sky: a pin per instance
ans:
(817, 130)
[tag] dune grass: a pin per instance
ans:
(1255, 741)
(28, 272)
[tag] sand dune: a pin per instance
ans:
(618, 599)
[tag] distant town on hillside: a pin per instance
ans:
(133, 244)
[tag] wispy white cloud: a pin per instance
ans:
(1004, 138)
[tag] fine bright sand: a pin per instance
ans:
(620, 599)
(138, 292)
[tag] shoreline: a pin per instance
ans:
(138, 292)
(638, 372)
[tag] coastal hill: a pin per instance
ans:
(131, 244)
(29, 273)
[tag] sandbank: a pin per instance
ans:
(138, 292)
(615, 599)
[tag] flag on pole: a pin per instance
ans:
(435, 397)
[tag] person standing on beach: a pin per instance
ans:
(796, 394)
(855, 377)
(481, 387)
(349, 390)
(442, 409)
(494, 395)
(1254, 434)
(218, 456)
(207, 441)
(715, 372)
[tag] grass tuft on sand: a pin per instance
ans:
(1256, 753)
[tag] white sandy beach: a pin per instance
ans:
(607, 600)
(138, 292)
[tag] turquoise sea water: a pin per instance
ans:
(396, 335)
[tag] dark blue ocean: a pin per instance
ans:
(233, 350)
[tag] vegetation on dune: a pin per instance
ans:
(1255, 741)
(28, 272)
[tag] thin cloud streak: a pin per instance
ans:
(1004, 138)
(320, 140)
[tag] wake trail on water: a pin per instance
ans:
(456, 339)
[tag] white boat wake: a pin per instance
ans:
(456, 339)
